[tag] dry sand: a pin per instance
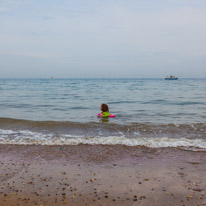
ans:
(101, 175)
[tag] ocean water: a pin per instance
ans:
(149, 112)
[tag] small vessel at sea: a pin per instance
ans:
(171, 77)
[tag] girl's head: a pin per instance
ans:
(104, 108)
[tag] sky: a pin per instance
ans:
(102, 39)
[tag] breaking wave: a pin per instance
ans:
(28, 132)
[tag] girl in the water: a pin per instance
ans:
(105, 111)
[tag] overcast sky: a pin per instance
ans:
(102, 38)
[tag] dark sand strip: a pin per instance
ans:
(101, 175)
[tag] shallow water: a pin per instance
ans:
(132, 100)
(149, 112)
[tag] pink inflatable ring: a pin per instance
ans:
(102, 115)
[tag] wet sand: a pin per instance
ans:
(101, 175)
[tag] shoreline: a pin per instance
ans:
(101, 175)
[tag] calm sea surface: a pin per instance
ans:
(66, 109)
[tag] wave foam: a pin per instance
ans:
(25, 137)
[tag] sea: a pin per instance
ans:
(153, 113)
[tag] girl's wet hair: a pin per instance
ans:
(104, 108)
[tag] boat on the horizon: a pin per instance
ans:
(171, 77)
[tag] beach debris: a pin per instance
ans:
(194, 163)
(198, 190)
(142, 197)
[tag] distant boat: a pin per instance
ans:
(171, 77)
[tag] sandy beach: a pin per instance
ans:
(101, 175)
